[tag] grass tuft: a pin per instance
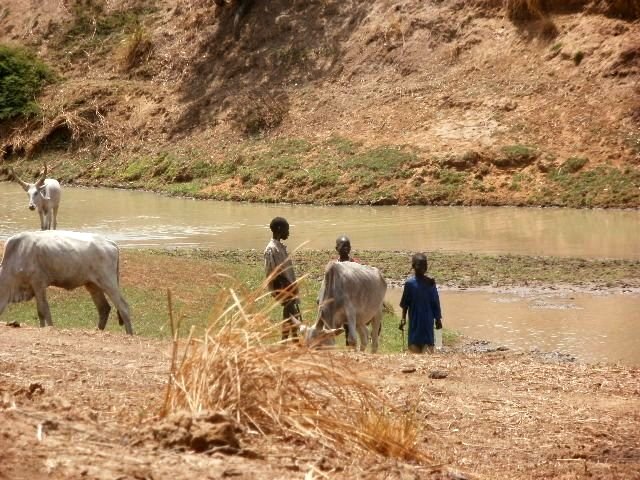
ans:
(520, 10)
(284, 389)
(137, 50)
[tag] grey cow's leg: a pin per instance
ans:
(54, 217)
(47, 220)
(351, 324)
(363, 334)
(42, 220)
(101, 304)
(376, 323)
(44, 313)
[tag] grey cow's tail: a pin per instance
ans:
(326, 301)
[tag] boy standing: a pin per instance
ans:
(343, 247)
(420, 298)
(282, 277)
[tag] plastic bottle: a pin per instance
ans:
(437, 335)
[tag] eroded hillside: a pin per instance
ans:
(427, 102)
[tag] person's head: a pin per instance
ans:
(343, 246)
(280, 228)
(419, 263)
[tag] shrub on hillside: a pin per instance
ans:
(22, 76)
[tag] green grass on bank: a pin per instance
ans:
(341, 171)
(197, 277)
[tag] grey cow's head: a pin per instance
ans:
(36, 191)
(316, 336)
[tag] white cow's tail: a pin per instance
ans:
(120, 319)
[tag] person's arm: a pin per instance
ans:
(403, 322)
(437, 313)
(404, 304)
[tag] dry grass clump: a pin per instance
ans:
(624, 9)
(262, 113)
(519, 10)
(236, 367)
(534, 12)
(137, 50)
(66, 129)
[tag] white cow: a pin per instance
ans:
(351, 294)
(44, 195)
(35, 260)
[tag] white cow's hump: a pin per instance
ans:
(52, 234)
(52, 237)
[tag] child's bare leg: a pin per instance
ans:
(289, 312)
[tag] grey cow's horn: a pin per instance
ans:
(40, 181)
(24, 185)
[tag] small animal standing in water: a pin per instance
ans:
(44, 196)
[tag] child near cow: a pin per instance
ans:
(343, 247)
(420, 299)
(281, 277)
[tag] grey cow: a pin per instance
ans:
(351, 294)
(34, 261)
(44, 196)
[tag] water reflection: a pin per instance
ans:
(592, 327)
(146, 219)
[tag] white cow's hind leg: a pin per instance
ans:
(44, 313)
(122, 306)
(101, 304)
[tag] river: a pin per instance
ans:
(146, 219)
(592, 327)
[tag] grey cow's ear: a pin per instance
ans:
(42, 190)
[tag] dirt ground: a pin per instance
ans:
(491, 106)
(84, 404)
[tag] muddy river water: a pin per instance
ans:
(591, 327)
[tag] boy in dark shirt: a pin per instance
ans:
(420, 298)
